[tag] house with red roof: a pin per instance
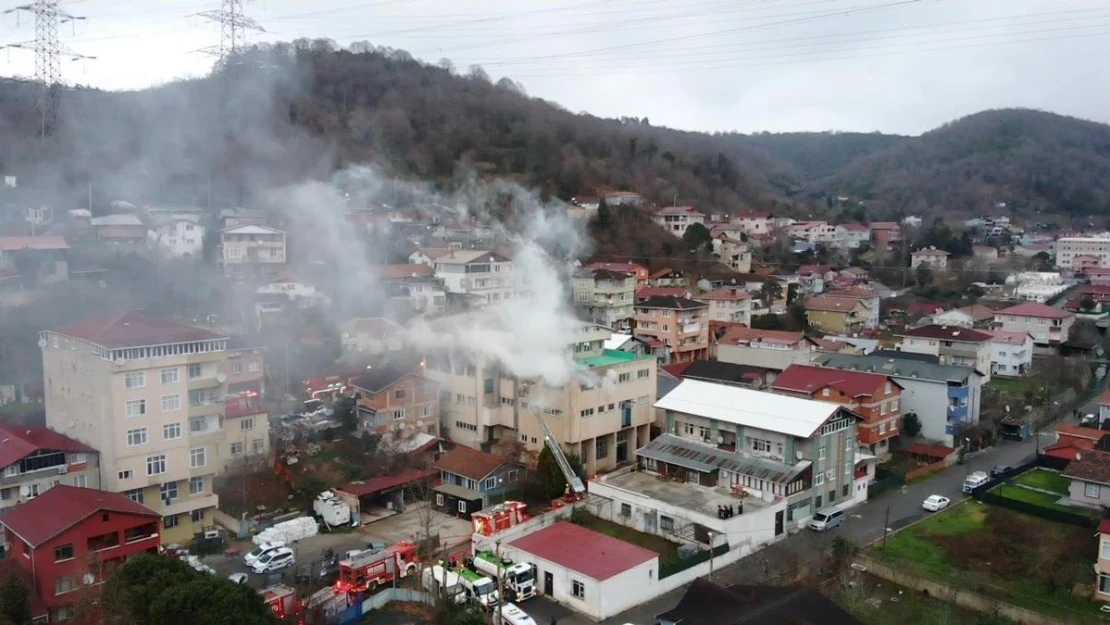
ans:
(952, 345)
(769, 349)
(639, 271)
(875, 397)
(1011, 353)
(1072, 441)
(1047, 325)
(68, 541)
(590, 572)
(33, 459)
(729, 304)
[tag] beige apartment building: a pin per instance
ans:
(252, 249)
(604, 423)
(1082, 252)
(729, 304)
(148, 393)
(679, 323)
(606, 297)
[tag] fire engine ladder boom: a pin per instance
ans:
(572, 478)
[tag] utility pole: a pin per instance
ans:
(886, 524)
(500, 591)
(234, 25)
(48, 53)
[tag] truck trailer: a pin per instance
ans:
(517, 579)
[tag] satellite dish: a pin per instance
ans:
(42, 343)
(720, 439)
(768, 497)
(25, 490)
(221, 378)
(89, 579)
(798, 454)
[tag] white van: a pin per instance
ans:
(975, 480)
(513, 615)
(260, 551)
(826, 519)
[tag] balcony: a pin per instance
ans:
(201, 383)
(690, 328)
(181, 505)
(206, 409)
(957, 413)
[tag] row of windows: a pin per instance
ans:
(7, 494)
(156, 463)
(161, 351)
(258, 446)
(168, 491)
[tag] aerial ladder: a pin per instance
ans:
(578, 489)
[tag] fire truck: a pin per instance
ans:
(498, 518)
(281, 599)
(368, 570)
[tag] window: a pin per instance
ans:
(136, 437)
(195, 370)
(156, 465)
(1090, 490)
(889, 388)
(197, 425)
(124, 475)
(135, 494)
(1104, 584)
(196, 485)
(171, 431)
(234, 368)
(81, 481)
(247, 423)
(1105, 550)
(510, 476)
(624, 377)
(11, 470)
(63, 552)
(844, 491)
(894, 406)
(198, 457)
(237, 449)
(758, 444)
(252, 366)
(626, 510)
(400, 393)
(399, 414)
(425, 411)
(818, 480)
(257, 446)
(666, 523)
(135, 379)
(848, 442)
(643, 374)
(578, 589)
(882, 427)
(135, 408)
(197, 516)
(825, 392)
(63, 585)
(822, 453)
(169, 491)
(169, 376)
(171, 403)
(462, 506)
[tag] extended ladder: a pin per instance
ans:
(572, 478)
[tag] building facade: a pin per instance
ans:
(485, 277)
(252, 249)
(397, 402)
(606, 297)
(676, 219)
(149, 395)
(179, 237)
(1069, 250)
(769, 349)
(837, 315)
(934, 259)
(34, 459)
(952, 345)
(729, 305)
(679, 323)
(1011, 353)
(1047, 325)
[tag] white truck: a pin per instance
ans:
(512, 615)
(518, 579)
(439, 581)
(331, 510)
(480, 589)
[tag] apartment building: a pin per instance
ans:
(814, 232)
(728, 304)
(148, 393)
(769, 349)
(606, 297)
(733, 252)
(1047, 325)
(1102, 562)
(934, 259)
(676, 219)
(952, 345)
(753, 223)
(1080, 253)
(247, 424)
(852, 236)
(837, 315)
(1011, 353)
(34, 459)
(246, 367)
(681, 324)
(886, 234)
(638, 271)
(485, 277)
(373, 336)
(178, 236)
(252, 249)
(397, 402)
(869, 298)
(604, 423)
(877, 399)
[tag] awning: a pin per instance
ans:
(459, 492)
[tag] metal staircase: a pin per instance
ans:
(572, 478)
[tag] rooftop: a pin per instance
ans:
(750, 408)
(670, 302)
(380, 377)
(403, 271)
(706, 458)
(1035, 309)
(731, 294)
(15, 244)
(810, 379)
(251, 229)
(1008, 337)
(471, 257)
(830, 303)
(62, 507)
(608, 358)
(121, 219)
(371, 325)
(382, 483)
(135, 329)
(692, 497)
(469, 462)
(584, 551)
(897, 367)
(647, 292)
(18, 442)
(948, 333)
(742, 335)
(1090, 466)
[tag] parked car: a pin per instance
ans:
(999, 471)
(260, 551)
(275, 560)
(826, 519)
(935, 503)
(1088, 419)
(975, 480)
(238, 578)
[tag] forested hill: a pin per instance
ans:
(817, 155)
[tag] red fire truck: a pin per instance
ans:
(500, 517)
(369, 570)
(282, 600)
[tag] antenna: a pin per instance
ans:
(48, 52)
(234, 25)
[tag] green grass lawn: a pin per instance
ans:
(1037, 498)
(668, 551)
(871, 601)
(1011, 386)
(1048, 480)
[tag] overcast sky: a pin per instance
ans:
(748, 65)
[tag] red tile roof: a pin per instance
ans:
(677, 369)
(17, 442)
(853, 292)
(743, 335)
(1104, 526)
(584, 551)
(62, 507)
(625, 267)
(932, 451)
(1009, 337)
(469, 462)
(1035, 309)
(375, 485)
(134, 329)
(661, 291)
(1066, 430)
(809, 379)
(404, 271)
(924, 308)
(948, 333)
(731, 294)
(15, 244)
(1090, 466)
(1104, 398)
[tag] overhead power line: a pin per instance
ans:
(234, 25)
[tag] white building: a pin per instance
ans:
(754, 223)
(1011, 353)
(587, 571)
(1038, 286)
(252, 248)
(814, 232)
(180, 236)
(370, 335)
(1047, 325)
(852, 236)
(676, 219)
(1075, 253)
(729, 304)
(302, 293)
(935, 259)
(487, 277)
(952, 345)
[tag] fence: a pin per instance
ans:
(379, 599)
(925, 470)
(670, 568)
(984, 494)
(879, 487)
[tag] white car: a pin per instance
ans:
(260, 551)
(238, 578)
(935, 503)
(274, 561)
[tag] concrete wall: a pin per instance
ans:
(383, 597)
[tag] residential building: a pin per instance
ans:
(33, 459)
(876, 398)
(1069, 249)
(668, 277)
(484, 277)
(414, 285)
(679, 323)
(1039, 286)
(931, 257)
(706, 603)
(852, 236)
(1103, 402)
(469, 479)
(1102, 562)
(721, 373)
(1011, 353)
(623, 198)
(35, 260)
(676, 219)
(247, 424)
(148, 394)
(606, 297)
(754, 223)
(728, 304)
(246, 367)
(589, 572)
(813, 232)
(483, 403)
(733, 252)
(428, 255)
(1073, 441)
(769, 349)
(639, 272)
(945, 398)
(68, 541)
(763, 447)
(837, 315)
(1047, 325)
(396, 401)
(178, 236)
(952, 345)
(252, 249)
(371, 336)
(123, 228)
(886, 235)
(869, 298)
(974, 316)
(1089, 473)
(302, 294)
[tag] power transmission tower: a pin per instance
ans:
(48, 52)
(234, 25)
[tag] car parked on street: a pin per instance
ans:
(275, 560)
(260, 551)
(935, 503)
(1000, 471)
(238, 578)
(826, 519)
